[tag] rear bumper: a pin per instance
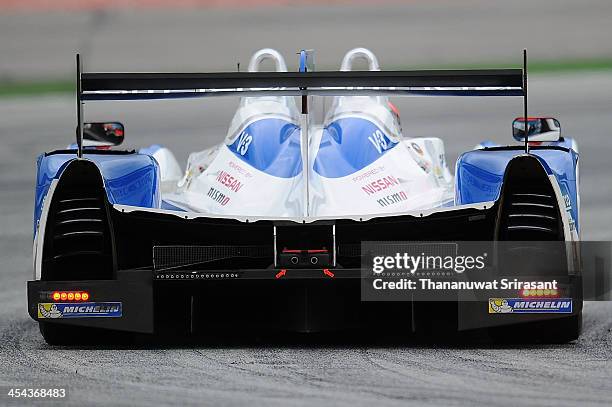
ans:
(263, 300)
(131, 296)
(188, 303)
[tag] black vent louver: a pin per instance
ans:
(532, 211)
(78, 241)
(529, 208)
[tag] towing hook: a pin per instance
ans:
(314, 260)
(294, 260)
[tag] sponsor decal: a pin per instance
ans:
(79, 310)
(568, 207)
(218, 196)
(417, 148)
(239, 169)
(133, 188)
(419, 157)
(229, 181)
(442, 160)
(568, 202)
(530, 305)
(380, 184)
(368, 174)
(392, 199)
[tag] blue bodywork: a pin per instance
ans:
(342, 150)
(271, 145)
(480, 173)
(129, 179)
(133, 179)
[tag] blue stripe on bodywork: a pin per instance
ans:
(480, 173)
(348, 145)
(271, 146)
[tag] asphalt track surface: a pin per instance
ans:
(300, 372)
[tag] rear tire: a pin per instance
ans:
(554, 331)
(70, 335)
(60, 334)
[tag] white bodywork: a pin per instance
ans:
(359, 163)
(170, 170)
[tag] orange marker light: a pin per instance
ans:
(70, 295)
(539, 293)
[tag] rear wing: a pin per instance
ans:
(96, 86)
(136, 86)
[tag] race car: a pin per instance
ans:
(269, 229)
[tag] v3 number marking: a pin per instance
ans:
(244, 141)
(379, 141)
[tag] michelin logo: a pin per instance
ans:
(531, 305)
(82, 310)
